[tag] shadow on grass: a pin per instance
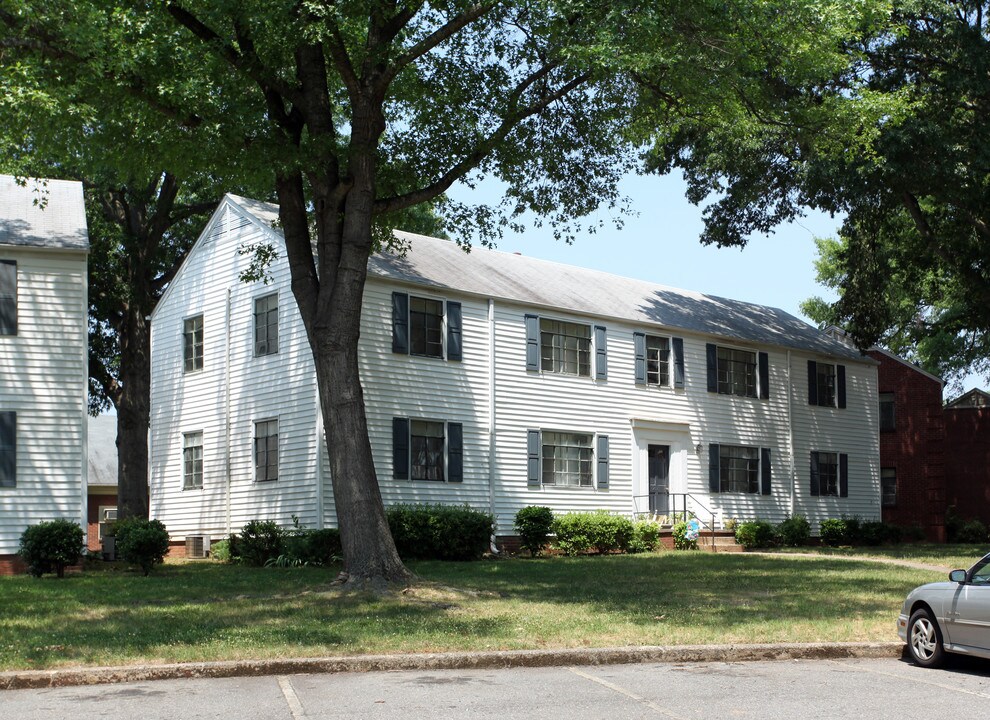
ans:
(210, 611)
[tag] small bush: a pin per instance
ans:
(142, 542)
(220, 551)
(685, 535)
(892, 533)
(913, 533)
(645, 536)
(794, 531)
(534, 525)
(853, 534)
(258, 542)
(832, 531)
(972, 531)
(314, 547)
(873, 533)
(756, 534)
(440, 532)
(51, 546)
(599, 531)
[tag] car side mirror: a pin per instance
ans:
(957, 576)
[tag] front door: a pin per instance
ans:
(658, 469)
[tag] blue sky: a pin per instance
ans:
(659, 243)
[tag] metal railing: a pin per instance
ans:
(688, 505)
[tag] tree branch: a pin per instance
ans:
(486, 146)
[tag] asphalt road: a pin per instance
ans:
(796, 689)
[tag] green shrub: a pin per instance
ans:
(794, 531)
(258, 542)
(220, 551)
(892, 533)
(313, 547)
(873, 533)
(972, 531)
(832, 531)
(682, 533)
(645, 536)
(756, 534)
(534, 525)
(141, 542)
(440, 532)
(51, 546)
(953, 524)
(913, 533)
(853, 534)
(599, 531)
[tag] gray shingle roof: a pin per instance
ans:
(45, 213)
(541, 284)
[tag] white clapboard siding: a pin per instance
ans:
(43, 370)
(689, 419)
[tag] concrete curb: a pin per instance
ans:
(496, 660)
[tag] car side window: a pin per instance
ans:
(981, 573)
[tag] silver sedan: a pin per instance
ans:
(949, 616)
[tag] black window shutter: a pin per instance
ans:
(8, 297)
(8, 449)
(601, 353)
(603, 462)
(639, 351)
(532, 342)
(678, 345)
(453, 330)
(455, 452)
(765, 471)
(400, 448)
(400, 323)
(764, 361)
(713, 470)
(533, 457)
(812, 383)
(840, 384)
(814, 475)
(711, 352)
(843, 475)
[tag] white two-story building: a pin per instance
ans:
(501, 381)
(43, 358)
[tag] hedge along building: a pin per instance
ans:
(500, 381)
(44, 243)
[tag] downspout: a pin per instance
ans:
(226, 434)
(491, 416)
(320, 440)
(790, 437)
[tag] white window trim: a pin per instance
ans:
(182, 343)
(594, 459)
(254, 449)
(254, 324)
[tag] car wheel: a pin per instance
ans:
(925, 639)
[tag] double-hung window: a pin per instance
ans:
(739, 469)
(567, 459)
(733, 371)
(266, 450)
(8, 297)
(826, 384)
(192, 461)
(888, 487)
(192, 343)
(427, 450)
(657, 361)
(266, 325)
(888, 420)
(829, 474)
(420, 326)
(565, 347)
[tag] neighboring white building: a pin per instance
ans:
(43, 357)
(501, 381)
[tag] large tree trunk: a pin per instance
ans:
(133, 415)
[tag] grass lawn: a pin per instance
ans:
(208, 611)
(950, 556)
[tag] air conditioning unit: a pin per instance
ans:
(197, 546)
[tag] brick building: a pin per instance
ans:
(967, 465)
(913, 435)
